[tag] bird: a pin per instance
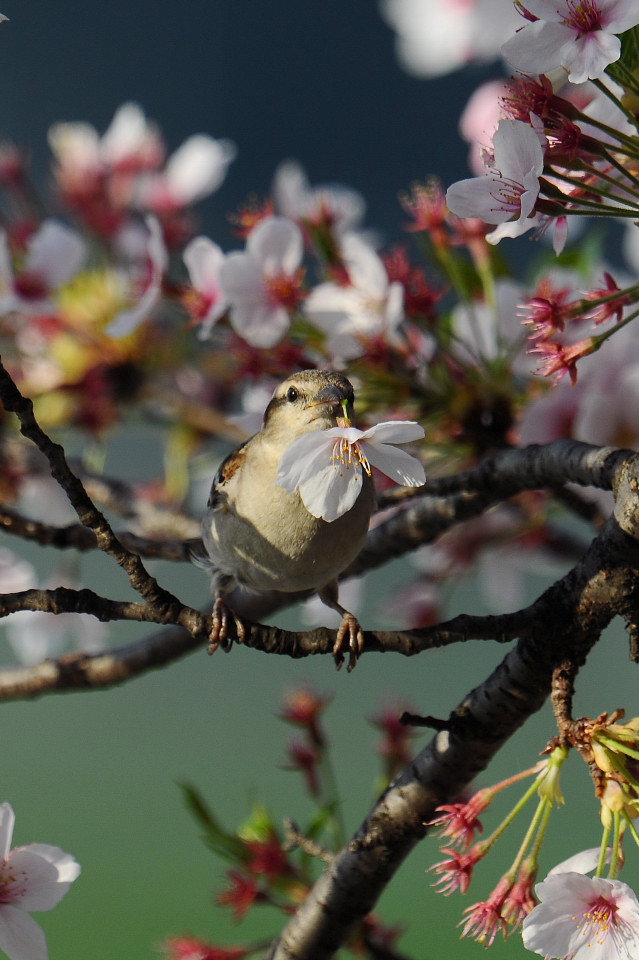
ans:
(260, 537)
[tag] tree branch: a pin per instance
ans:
(576, 611)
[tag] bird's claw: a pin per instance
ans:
(349, 625)
(218, 637)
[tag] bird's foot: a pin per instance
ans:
(348, 627)
(218, 637)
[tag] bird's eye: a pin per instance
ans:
(292, 394)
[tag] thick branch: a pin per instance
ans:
(569, 619)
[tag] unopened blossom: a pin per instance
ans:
(507, 195)
(205, 301)
(263, 283)
(369, 306)
(35, 877)
(327, 466)
(583, 917)
(578, 36)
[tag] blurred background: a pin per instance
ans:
(97, 773)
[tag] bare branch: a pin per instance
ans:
(78, 537)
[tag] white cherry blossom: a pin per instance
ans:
(203, 259)
(35, 877)
(370, 306)
(507, 195)
(581, 917)
(262, 283)
(327, 466)
(580, 37)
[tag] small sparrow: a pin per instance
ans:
(260, 537)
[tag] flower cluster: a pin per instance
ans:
(559, 152)
(568, 912)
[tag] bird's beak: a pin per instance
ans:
(329, 395)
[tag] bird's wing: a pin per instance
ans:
(227, 469)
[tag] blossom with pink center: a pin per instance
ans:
(580, 916)
(263, 284)
(205, 301)
(337, 206)
(507, 195)
(369, 306)
(578, 35)
(327, 466)
(55, 253)
(35, 877)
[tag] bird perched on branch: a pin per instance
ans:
(259, 536)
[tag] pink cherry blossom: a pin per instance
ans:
(578, 36)
(263, 283)
(35, 877)
(507, 195)
(327, 466)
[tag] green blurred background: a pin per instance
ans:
(97, 773)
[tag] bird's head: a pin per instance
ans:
(309, 400)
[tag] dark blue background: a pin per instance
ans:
(317, 82)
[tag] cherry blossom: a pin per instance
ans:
(370, 306)
(341, 207)
(435, 37)
(55, 253)
(35, 877)
(206, 301)
(507, 195)
(580, 916)
(580, 37)
(327, 466)
(263, 283)
(195, 170)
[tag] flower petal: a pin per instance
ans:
(7, 821)
(396, 464)
(394, 431)
(305, 454)
(20, 936)
(50, 872)
(332, 490)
